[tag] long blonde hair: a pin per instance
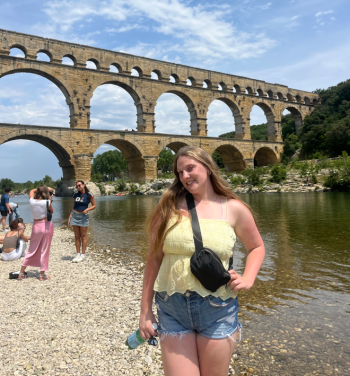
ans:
(42, 192)
(168, 205)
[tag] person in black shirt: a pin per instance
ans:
(79, 218)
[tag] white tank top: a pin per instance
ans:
(38, 208)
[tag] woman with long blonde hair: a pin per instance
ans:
(198, 328)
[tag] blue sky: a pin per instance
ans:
(302, 44)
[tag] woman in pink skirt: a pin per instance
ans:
(40, 200)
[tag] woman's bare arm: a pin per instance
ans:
(247, 231)
(154, 260)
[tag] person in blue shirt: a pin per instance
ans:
(79, 218)
(5, 208)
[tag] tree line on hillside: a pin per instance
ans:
(28, 186)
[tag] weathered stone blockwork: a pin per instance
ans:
(74, 147)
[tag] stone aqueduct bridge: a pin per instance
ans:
(74, 147)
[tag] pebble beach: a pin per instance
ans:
(77, 322)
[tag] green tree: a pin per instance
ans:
(109, 165)
(165, 160)
(6, 183)
(218, 160)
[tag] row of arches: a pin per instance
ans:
(113, 107)
(92, 63)
(46, 148)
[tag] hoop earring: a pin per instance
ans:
(209, 173)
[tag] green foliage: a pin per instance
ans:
(102, 189)
(339, 178)
(165, 160)
(253, 176)
(278, 173)
(166, 175)
(108, 165)
(258, 132)
(121, 185)
(237, 180)
(291, 145)
(133, 188)
(217, 158)
(19, 187)
(327, 128)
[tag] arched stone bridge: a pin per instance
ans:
(75, 146)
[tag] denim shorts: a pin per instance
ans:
(79, 219)
(211, 317)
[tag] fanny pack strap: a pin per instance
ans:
(197, 235)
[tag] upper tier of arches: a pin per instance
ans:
(117, 63)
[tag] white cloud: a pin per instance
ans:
(266, 6)
(294, 18)
(198, 32)
(125, 28)
(319, 14)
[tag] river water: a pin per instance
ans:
(296, 318)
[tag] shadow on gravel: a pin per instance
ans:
(67, 258)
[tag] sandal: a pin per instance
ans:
(44, 277)
(22, 276)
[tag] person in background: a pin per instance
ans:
(5, 208)
(21, 226)
(79, 218)
(14, 212)
(40, 200)
(12, 248)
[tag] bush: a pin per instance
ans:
(253, 176)
(278, 173)
(121, 185)
(133, 188)
(102, 189)
(237, 180)
(339, 178)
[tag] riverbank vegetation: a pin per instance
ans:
(22, 188)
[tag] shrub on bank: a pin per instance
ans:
(278, 173)
(339, 178)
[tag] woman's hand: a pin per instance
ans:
(145, 325)
(239, 282)
(85, 211)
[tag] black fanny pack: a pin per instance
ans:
(206, 265)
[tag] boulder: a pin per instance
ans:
(93, 188)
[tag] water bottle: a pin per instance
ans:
(135, 338)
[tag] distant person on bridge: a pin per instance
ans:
(79, 218)
(5, 207)
(198, 327)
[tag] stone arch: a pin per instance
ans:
(208, 83)
(116, 65)
(58, 148)
(307, 100)
(133, 155)
(298, 118)
(232, 158)
(57, 82)
(290, 98)
(237, 88)
(46, 52)
(72, 57)
(192, 81)
(174, 78)
(270, 93)
(223, 86)
(281, 96)
(265, 157)
(249, 90)
(236, 115)
(158, 73)
(97, 64)
(190, 106)
(260, 93)
(20, 47)
(138, 70)
(134, 96)
(298, 98)
(272, 127)
(315, 101)
(175, 146)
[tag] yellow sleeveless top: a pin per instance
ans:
(175, 273)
